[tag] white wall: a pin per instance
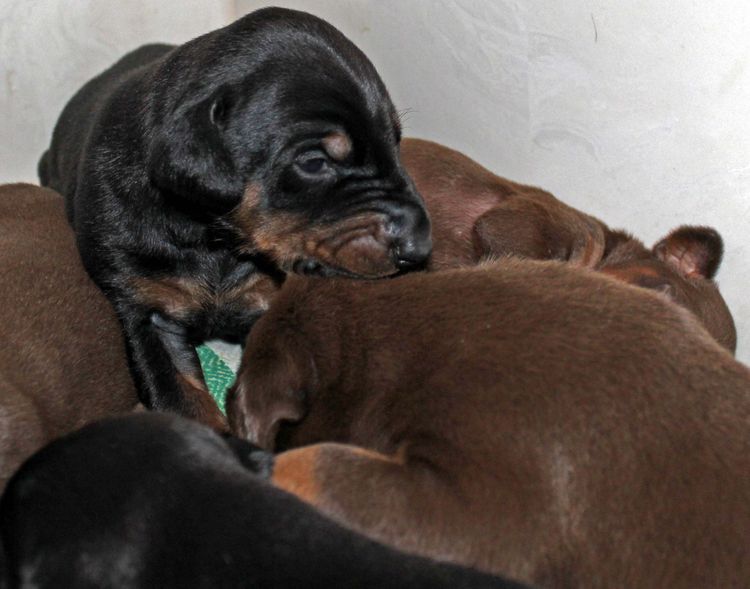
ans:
(49, 48)
(636, 112)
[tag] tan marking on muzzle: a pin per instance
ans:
(358, 244)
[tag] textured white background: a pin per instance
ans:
(50, 48)
(637, 112)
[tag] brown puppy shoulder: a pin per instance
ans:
(62, 362)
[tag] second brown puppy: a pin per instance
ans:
(62, 361)
(529, 418)
(478, 215)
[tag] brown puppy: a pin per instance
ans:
(62, 361)
(529, 418)
(477, 214)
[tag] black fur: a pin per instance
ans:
(160, 501)
(153, 157)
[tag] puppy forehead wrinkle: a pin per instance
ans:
(338, 55)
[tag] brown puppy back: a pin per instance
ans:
(62, 362)
(530, 418)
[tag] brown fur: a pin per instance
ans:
(682, 266)
(546, 422)
(62, 361)
(477, 214)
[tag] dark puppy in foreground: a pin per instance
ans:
(477, 214)
(62, 361)
(533, 419)
(160, 501)
(195, 175)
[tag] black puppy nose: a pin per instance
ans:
(412, 243)
(411, 253)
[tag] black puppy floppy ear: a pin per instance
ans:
(189, 158)
(695, 252)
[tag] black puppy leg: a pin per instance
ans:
(167, 369)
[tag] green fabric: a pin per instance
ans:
(219, 377)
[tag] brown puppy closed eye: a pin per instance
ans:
(529, 418)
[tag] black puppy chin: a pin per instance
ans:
(312, 267)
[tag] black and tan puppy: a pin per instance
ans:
(62, 361)
(531, 418)
(160, 501)
(193, 174)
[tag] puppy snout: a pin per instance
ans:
(412, 242)
(411, 253)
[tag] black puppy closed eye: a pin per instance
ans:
(313, 163)
(218, 111)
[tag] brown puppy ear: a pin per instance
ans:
(270, 390)
(693, 251)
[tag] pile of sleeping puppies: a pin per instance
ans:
(448, 379)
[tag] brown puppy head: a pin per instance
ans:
(476, 214)
(277, 371)
(456, 191)
(682, 265)
(265, 394)
(281, 127)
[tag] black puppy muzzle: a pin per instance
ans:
(406, 228)
(409, 229)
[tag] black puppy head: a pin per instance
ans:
(280, 124)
